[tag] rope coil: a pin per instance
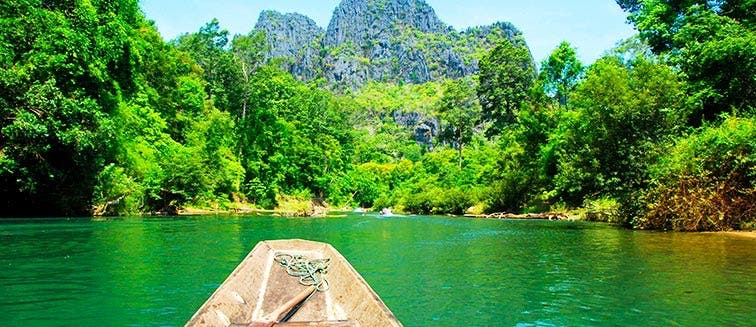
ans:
(309, 271)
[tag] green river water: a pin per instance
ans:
(430, 271)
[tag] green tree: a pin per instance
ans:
(54, 101)
(222, 70)
(560, 72)
(659, 21)
(712, 42)
(460, 111)
(631, 48)
(297, 138)
(249, 51)
(506, 75)
(718, 56)
(620, 114)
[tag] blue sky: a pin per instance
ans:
(593, 26)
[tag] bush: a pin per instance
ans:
(706, 182)
(387, 201)
(509, 193)
(296, 205)
(602, 209)
(116, 193)
(454, 201)
(437, 201)
(421, 203)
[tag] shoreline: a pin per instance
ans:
(343, 212)
(234, 211)
(534, 216)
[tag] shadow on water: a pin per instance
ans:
(429, 270)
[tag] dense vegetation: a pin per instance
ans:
(101, 116)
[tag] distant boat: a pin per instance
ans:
(386, 212)
(263, 290)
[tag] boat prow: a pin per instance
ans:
(260, 289)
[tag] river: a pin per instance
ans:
(430, 271)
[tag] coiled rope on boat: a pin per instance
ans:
(309, 271)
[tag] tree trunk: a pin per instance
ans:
(459, 147)
(244, 102)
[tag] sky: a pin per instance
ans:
(592, 26)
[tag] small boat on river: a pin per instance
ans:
(294, 283)
(386, 212)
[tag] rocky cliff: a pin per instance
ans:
(378, 40)
(294, 38)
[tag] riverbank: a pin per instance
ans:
(190, 211)
(315, 210)
(298, 208)
(506, 215)
(288, 206)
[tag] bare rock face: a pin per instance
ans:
(363, 21)
(380, 37)
(295, 38)
(393, 41)
(424, 129)
(378, 40)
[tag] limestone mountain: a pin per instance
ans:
(295, 38)
(378, 40)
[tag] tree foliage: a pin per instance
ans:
(621, 112)
(560, 72)
(54, 102)
(296, 138)
(712, 42)
(506, 74)
(718, 55)
(119, 125)
(222, 70)
(459, 110)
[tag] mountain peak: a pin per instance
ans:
(358, 21)
(275, 16)
(292, 36)
(293, 26)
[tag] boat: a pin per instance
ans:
(386, 212)
(269, 288)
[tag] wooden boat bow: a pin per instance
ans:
(259, 290)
